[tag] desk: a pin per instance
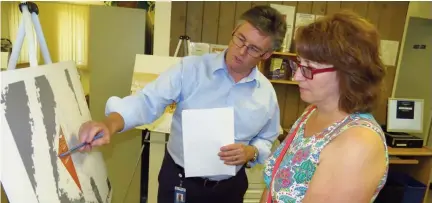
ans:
(415, 161)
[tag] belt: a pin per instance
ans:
(206, 182)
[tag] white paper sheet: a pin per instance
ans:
(389, 51)
(205, 131)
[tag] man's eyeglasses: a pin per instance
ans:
(251, 50)
(308, 72)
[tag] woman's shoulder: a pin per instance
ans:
(360, 141)
(361, 131)
(364, 121)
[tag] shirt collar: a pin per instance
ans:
(221, 64)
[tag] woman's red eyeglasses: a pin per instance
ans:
(308, 72)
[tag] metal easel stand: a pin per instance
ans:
(145, 140)
(186, 41)
(30, 13)
(136, 165)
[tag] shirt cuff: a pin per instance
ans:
(264, 150)
(116, 105)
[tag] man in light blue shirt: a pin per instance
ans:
(228, 79)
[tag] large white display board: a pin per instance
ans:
(42, 109)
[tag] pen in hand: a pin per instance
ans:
(99, 135)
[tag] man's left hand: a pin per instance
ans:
(236, 154)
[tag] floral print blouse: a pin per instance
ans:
(302, 158)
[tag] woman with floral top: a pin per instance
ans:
(336, 151)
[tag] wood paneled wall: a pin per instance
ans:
(213, 22)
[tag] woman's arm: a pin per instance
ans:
(350, 168)
(264, 196)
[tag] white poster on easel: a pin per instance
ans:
(42, 109)
(147, 68)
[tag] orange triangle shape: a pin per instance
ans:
(67, 160)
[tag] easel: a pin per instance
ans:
(30, 13)
(136, 164)
(186, 41)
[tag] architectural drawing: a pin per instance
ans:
(42, 109)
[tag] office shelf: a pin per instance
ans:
(284, 54)
(287, 82)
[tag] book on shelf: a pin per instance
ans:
(280, 69)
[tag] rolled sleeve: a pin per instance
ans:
(265, 139)
(123, 106)
(149, 103)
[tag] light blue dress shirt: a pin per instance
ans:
(200, 82)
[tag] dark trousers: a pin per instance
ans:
(199, 190)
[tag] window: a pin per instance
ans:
(15, 17)
(67, 26)
(73, 33)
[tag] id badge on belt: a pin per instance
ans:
(179, 193)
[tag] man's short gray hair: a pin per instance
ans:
(267, 20)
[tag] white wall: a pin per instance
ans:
(162, 28)
(161, 45)
(421, 9)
